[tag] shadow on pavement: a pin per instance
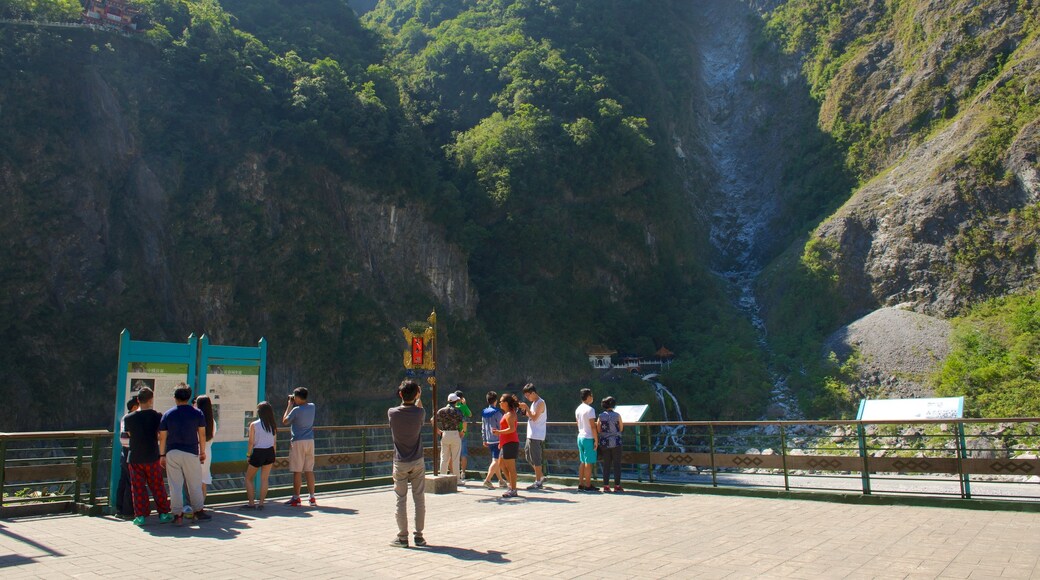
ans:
(492, 556)
(12, 560)
(223, 526)
(640, 493)
(4, 530)
(520, 499)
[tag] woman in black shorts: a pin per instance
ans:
(262, 434)
(508, 440)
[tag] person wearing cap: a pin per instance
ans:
(447, 423)
(463, 431)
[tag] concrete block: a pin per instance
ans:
(439, 484)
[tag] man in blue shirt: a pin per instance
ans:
(180, 431)
(299, 415)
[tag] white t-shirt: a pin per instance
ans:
(583, 414)
(536, 427)
(262, 438)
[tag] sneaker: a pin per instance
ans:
(178, 520)
(534, 485)
(139, 521)
(540, 483)
(502, 484)
(313, 502)
(510, 493)
(606, 489)
(617, 489)
(400, 542)
(419, 540)
(165, 518)
(489, 485)
(202, 516)
(295, 502)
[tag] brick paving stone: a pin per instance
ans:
(475, 534)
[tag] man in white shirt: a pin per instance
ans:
(536, 418)
(588, 440)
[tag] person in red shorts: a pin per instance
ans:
(509, 440)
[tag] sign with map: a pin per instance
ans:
(162, 378)
(234, 391)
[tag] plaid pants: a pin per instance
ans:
(144, 477)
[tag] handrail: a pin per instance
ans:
(55, 434)
(769, 454)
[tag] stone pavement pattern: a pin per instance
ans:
(560, 534)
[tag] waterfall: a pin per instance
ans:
(669, 438)
(747, 174)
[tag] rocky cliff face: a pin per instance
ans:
(945, 96)
(105, 228)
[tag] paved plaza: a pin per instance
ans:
(560, 533)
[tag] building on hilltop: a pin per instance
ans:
(601, 357)
(112, 14)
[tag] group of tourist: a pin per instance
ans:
(179, 442)
(500, 434)
(597, 435)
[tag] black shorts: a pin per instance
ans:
(510, 450)
(262, 457)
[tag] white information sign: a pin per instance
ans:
(162, 378)
(631, 413)
(899, 409)
(233, 390)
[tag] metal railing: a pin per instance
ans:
(971, 459)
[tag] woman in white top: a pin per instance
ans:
(262, 445)
(205, 404)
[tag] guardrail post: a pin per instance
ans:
(364, 452)
(962, 452)
(3, 463)
(711, 449)
(650, 451)
(862, 435)
(79, 463)
(783, 457)
(93, 471)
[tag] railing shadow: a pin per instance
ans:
(5, 531)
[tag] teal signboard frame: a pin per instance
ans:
(160, 355)
(236, 400)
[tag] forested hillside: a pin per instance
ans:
(731, 180)
(282, 170)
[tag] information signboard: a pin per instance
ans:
(234, 391)
(162, 378)
(900, 409)
(157, 365)
(234, 378)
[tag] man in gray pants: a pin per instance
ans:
(181, 430)
(406, 422)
